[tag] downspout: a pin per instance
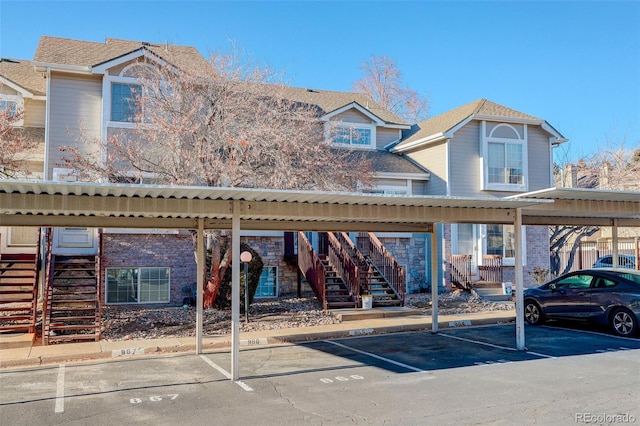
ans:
(47, 116)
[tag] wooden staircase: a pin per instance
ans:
(337, 293)
(382, 292)
(18, 292)
(72, 300)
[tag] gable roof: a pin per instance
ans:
(54, 51)
(442, 126)
(21, 73)
(330, 101)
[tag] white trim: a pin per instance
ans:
(137, 302)
(19, 106)
(448, 167)
(332, 126)
(47, 129)
(355, 105)
(75, 69)
(558, 137)
(412, 176)
(485, 140)
(498, 119)
(423, 141)
(24, 93)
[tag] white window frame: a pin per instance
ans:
(139, 269)
(506, 261)
(332, 126)
(108, 82)
(19, 104)
(517, 140)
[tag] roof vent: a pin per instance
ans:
(146, 43)
(312, 91)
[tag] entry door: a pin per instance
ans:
(74, 240)
(467, 237)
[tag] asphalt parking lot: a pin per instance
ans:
(458, 376)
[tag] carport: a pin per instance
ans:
(54, 204)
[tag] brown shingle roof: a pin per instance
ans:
(63, 51)
(444, 122)
(22, 73)
(329, 101)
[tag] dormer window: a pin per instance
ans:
(354, 135)
(505, 160)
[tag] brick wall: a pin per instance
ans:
(152, 250)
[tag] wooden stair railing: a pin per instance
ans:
(344, 266)
(491, 268)
(461, 270)
(384, 262)
(312, 268)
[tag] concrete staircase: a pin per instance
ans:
(490, 291)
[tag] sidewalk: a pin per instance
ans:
(19, 351)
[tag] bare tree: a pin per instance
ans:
(611, 167)
(383, 82)
(232, 127)
(15, 145)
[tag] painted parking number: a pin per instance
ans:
(154, 398)
(342, 379)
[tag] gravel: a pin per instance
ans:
(135, 322)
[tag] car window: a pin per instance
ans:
(632, 277)
(603, 283)
(575, 281)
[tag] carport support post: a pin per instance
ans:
(519, 281)
(200, 262)
(235, 291)
(435, 238)
(614, 243)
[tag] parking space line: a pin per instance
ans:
(491, 345)
(381, 358)
(60, 390)
(225, 373)
(477, 342)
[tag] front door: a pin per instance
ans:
(467, 243)
(74, 240)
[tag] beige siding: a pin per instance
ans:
(539, 158)
(386, 136)
(34, 113)
(352, 116)
(419, 187)
(464, 154)
(6, 90)
(434, 159)
(73, 100)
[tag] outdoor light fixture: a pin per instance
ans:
(245, 258)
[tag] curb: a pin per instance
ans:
(272, 340)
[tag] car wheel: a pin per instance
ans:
(532, 312)
(623, 322)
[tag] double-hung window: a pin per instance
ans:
(505, 157)
(353, 135)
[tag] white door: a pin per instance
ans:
(72, 240)
(468, 243)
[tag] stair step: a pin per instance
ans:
(73, 318)
(71, 337)
(15, 317)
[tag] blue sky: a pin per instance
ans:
(574, 63)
